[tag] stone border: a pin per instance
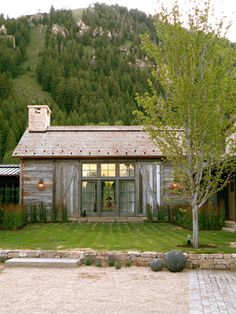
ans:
(201, 261)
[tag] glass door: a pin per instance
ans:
(108, 197)
(89, 198)
(126, 197)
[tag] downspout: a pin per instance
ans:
(22, 181)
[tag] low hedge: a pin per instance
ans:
(12, 217)
(210, 217)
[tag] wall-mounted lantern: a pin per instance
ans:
(41, 184)
(175, 186)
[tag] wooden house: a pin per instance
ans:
(91, 170)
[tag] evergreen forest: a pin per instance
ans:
(87, 65)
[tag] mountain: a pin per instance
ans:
(87, 65)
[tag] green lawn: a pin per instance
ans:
(26, 85)
(113, 236)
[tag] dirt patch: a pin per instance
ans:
(201, 246)
(93, 290)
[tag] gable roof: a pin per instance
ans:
(87, 141)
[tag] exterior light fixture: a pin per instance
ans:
(41, 184)
(175, 186)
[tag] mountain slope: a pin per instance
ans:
(26, 85)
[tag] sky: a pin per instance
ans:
(15, 8)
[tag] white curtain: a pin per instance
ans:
(127, 196)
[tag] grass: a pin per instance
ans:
(26, 84)
(77, 14)
(113, 236)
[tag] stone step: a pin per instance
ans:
(43, 262)
(230, 224)
(111, 219)
(228, 229)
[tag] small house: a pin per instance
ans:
(92, 170)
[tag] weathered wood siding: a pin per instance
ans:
(62, 179)
(34, 170)
(67, 178)
(168, 196)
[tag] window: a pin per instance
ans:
(108, 196)
(127, 196)
(89, 196)
(126, 170)
(89, 170)
(108, 170)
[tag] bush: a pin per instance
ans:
(210, 217)
(54, 212)
(149, 213)
(64, 216)
(161, 214)
(175, 261)
(33, 214)
(88, 261)
(98, 262)
(111, 260)
(118, 265)
(42, 213)
(12, 217)
(128, 263)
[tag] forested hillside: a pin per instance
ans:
(87, 69)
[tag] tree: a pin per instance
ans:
(192, 98)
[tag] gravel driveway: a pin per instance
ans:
(93, 290)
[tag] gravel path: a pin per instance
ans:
(93, 290)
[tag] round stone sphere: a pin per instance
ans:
(175, 261)
(156, 264)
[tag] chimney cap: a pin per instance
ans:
(40, 106)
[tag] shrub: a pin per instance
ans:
(210, 217)
(118, 265)
(156, 264)
(175, 261)
(64, 215)
(128, 263)
(1, 216)
(161, 214)
(33, 214)
(111, 260)
(42, 213)
(98, 262)
(88, 261)
(12, 217)
(54, 212)
(3, 258)
(149, 213)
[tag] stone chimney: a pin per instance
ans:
(39, 118)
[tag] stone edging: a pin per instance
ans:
(202, 261)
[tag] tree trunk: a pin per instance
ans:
(195, 228)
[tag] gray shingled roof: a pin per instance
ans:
(87, 141)
(9, 170)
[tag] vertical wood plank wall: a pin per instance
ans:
(67, 186)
